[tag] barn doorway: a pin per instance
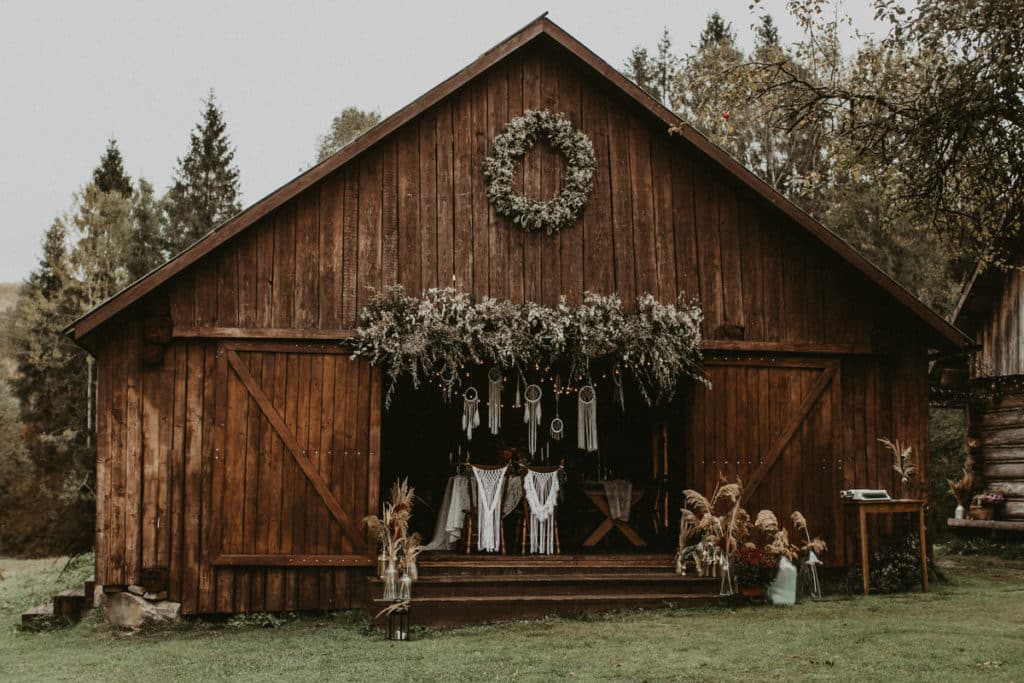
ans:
(422, 439)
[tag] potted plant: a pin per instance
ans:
(985, 505)
(754, 569)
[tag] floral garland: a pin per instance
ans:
(519, 136)
(444, 331)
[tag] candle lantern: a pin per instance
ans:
(398, 624)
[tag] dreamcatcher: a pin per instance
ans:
(557, 428)
(587, 419)
(448, 378)
(531, 416)
(470, 412)
(494, 384)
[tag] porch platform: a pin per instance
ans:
(456, 589)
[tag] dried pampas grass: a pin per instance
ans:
(767, 522)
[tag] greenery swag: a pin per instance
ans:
(519, 136)
(446, 330)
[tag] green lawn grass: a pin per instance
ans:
(970, 628)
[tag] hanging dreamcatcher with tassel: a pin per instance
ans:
(448, 379)
(494, 383)
(587, 419)
(531, 416)
(470, 412)
(557, 428)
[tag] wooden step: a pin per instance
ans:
(478, 610)
(43, 611)
(590, 584)
(550, 564)
(70, 604)
(90, 591)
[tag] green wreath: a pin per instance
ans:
(519, 136)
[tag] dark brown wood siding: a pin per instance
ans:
(1001, 333)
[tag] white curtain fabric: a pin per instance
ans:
(541, 489)
(451, 514)
(489, 487)
(619, 493)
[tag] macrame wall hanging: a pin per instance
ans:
(490, 484)
(557, 426)
(541, 489)
(470, 412)
(531, 416)
(587, 419)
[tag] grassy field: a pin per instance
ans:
(971, 628)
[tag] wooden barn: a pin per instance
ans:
(239, 447)
(991, 309)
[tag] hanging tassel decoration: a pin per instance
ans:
(518, 403)
(494, 384)
(586, 434)
(620, 393)
(470, 412)
(531, 416)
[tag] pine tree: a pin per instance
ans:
(717, 32)
(145, 248)
(345, 127)
(766, 33)
(206, 190)
(109, 176)
(640, 69)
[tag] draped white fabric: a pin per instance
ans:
(619, 493)
(541, 489)
(451, 514)
(489, 487)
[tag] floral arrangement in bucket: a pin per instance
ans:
(444, 331)
(986, 505)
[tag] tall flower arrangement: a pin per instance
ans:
(445, 330)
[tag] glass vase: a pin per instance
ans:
(411, 569)
(382, 565)
(390, 582)
(405, 588)
(726, 587)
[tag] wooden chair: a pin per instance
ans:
(524, 523)
(471, 532)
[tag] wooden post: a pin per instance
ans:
(864, 546)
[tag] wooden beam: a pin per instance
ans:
(723, 345)
(815, 392)
(292, 561)
(277, 333)
(292, 444)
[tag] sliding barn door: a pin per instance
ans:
(297, 469)
(776, 424)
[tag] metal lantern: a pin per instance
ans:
(398, 624)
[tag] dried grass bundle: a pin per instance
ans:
(962, 487)
(780, 545)
(817, 544)
(767, 522)
(902, 459)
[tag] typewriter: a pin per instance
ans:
(865, 494)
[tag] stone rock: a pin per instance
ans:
(155, 597)
(127, 610)
(137, 590)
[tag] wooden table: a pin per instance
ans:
(595, 492)
(889, 507)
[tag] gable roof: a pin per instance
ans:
(540, 27)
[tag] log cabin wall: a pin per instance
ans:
(662, 218)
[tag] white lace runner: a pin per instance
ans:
(541, 489)
(619, 493)
(489, 486)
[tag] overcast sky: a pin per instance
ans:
(72, 74)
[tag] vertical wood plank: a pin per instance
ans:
(465, 227)
(445, 194)
(389, 213)
(598, 258)
(410, 266)
(428, 199)
(331, 249)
